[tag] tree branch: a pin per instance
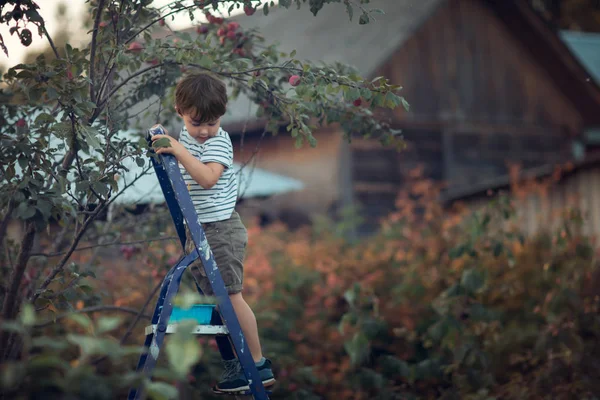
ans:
(92, 73)
(93, 309)
(140, 313)
(59, 267)
(115, 243)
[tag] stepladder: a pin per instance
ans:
(224, 324)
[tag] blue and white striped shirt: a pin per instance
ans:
(218, 202)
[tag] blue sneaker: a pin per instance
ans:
(235, 380)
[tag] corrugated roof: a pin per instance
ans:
(586, 48)
(332, 37)
(252, 182)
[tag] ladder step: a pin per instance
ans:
(198, 330)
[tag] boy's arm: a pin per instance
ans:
(207, 175)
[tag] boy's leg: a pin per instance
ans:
(227, 240)
(248, 324)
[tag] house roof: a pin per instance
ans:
(554, 55)
(503, 183)
(332, 37)
(586, 48)
(252, 183)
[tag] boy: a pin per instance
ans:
(205, 155)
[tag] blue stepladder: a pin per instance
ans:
(224, 321)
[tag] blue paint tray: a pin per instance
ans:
(201, 313)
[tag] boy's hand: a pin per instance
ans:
(165, 144)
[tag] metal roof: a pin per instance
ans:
(586, 48)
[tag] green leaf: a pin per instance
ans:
(44, 363)
(349, 10)
(161, 391)
(266, 9)
(364, 19)
(90, 135)
(358, 348)
(94, 346)
(27, 315)
(162, 142)
(352, 93)
(393, 367)
(457, 252)
(80, 319)
(183, 350)
(472, 280)
(107, 324)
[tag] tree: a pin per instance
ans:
(62, 118)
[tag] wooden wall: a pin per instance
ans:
(479, 102)
(543, 212)
(463, 65)
(318, 168)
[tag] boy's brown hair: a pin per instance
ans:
(202, 95)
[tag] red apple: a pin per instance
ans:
(294, 80)
(135, 47)
(239, 51)
(231, 35)
(232, 26)
(202, 29)
(222, 40)
(69, 75)
(221, 32)
(102, 24)
(21, 123)
(249, 10)
(161, 22)
(357, 102)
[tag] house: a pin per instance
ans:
(488, 82)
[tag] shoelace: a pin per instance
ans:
(231, 369)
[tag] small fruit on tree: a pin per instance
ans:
(294, 80)
(21, 123)
(357, 102)
(231, 35)
(202, 29)
(221, 32)
(232, 26)
(135, 47)
(161, 22)
(249, 10)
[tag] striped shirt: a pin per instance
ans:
(218, 202)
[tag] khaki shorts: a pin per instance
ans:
(227, 240)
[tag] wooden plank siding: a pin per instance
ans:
(479, 102)
(537, 213)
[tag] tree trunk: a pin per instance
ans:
(11, 297)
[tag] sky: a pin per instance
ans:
(75, 9)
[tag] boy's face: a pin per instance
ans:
(200, 131)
